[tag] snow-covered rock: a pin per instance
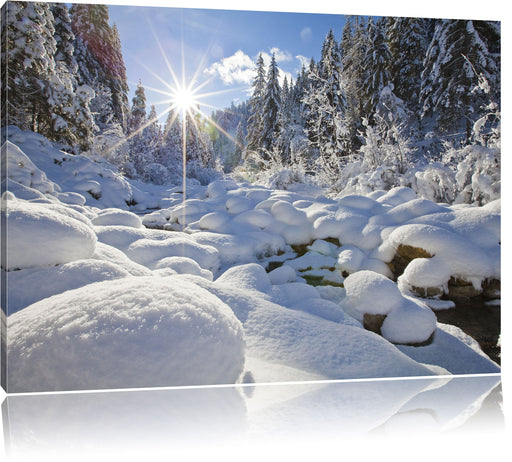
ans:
(132, 332)
(41, 235)
(249, 276)
(184, 265)
(116, 217)
(282, 275)
(411, 322)
(372, 293)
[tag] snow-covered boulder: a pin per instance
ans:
(157, 219)
(249, 276)
(149, 252)
(412, 322)
(183, 265)
(28, 286)
(427, 274)
(42, 235)
(372, 293)
(132, 332)
(397, 196)
(238, 204)
(116, 217)
(463, 258)
(214, 221)
(282, 275)
(22, 170)
(398, 318)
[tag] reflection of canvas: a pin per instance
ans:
(188, 200)
(228, 419)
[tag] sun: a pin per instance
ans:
(184, 99)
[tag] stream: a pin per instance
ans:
(480, 321)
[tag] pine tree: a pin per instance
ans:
(271, 106)
(138, 111)
(40, 75)
(459, 53)
(354, 45)
(27, 58)
(327, 102)
(239, 144)
(377, 62)
(100, 61)
(254, 126)
(73, 122)
(292, 142)
(408, 41)
(136, 125)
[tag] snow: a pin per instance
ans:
(250, 276)
(110, 217)
(425, 273)
(411, 322)
(183, 265)
(282, 275)
(132, 332)
(372, 293)
(31, 285)
(42, 236)
(149, 252)
(463, 259)
(81, 266)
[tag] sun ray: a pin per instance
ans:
(166, 60)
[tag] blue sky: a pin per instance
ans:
(220, 47)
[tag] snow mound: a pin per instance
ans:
(407, 320)
(184, 265)
(22, 170)
(116, 217)
(133, 332)
(42, 235)
(397, 196)
(412, 322)
(149, 252)
(98, 182)
(249, 276)
(372, 293)
(464, 259)
(282, 275)
(426, 273)
(31, 285)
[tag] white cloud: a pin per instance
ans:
(303, 60)
(241, 68)
(281, 55)
(238, 68)
(306, 34)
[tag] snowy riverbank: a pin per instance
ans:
(113, 283)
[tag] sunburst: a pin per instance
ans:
(184, 97)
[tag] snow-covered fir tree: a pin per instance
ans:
(408, 40)
(271, 107)
(73, 121)
(326, 100)
(459, 52)
(377, 63)
(354, 45)
(27, 58)
(40, 75)
(100, 61)
(255, 124)
(139, 155)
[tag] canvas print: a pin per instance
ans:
(199, 197)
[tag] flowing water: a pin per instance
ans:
(480, 321)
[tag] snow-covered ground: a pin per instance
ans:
(113, 283)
